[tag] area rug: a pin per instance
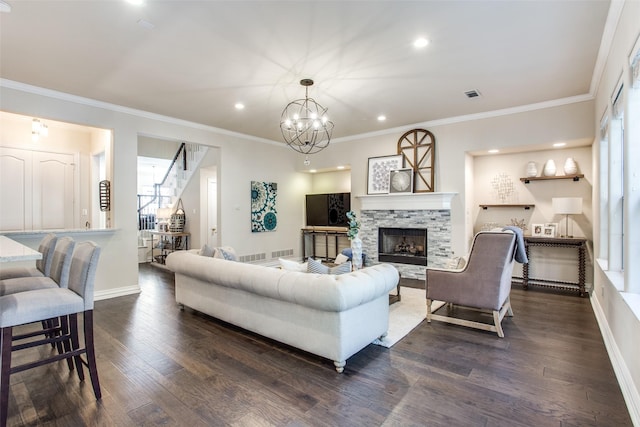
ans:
(406, 314)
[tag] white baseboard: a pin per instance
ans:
(628, 388)
(118, 292)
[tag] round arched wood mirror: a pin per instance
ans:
(418, 148)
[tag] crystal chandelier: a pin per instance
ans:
(304, 124)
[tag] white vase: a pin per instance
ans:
(570, 167)
(532, 169)
(356, 252)
(549, 168)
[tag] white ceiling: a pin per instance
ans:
(202, 57)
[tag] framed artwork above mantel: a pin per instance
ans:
(418, 149)
(378, 172)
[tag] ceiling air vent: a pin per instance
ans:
(472, 93)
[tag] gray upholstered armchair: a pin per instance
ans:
(483, 283)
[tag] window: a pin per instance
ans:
(632, 155)
(604, 188)
(616, 182)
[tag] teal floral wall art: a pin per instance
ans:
(264, 216)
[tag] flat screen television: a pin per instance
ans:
(328, 210)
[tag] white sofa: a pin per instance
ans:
(332, 316)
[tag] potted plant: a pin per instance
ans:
(356, 242)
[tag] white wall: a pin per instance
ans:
(551, 263)
(539, 193)
(15, 132)
(572, 122)
(242, 160)
(331, 182)
(615, 309)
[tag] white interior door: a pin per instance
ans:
(37, 190)
(53, 191)
(212, 212)
(15, 189)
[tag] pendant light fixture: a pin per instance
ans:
(305, 125)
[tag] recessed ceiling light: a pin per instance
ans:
(313, 170)
(239, 106)
(420, 42)
(382, 118)
(494, 151)
(340, 167)
(559, 144)
(136, 2)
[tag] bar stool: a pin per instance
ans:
(43, 265)
(57, 274)
(34, 306)
(58, 277)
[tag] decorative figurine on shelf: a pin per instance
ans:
(532, 169)
(570, 167)
(356, 242)
(549, 168)
(520, 223)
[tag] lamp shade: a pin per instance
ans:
(164, 213)
(567, 205)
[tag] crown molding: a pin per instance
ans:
(470, 117)
(11, 84)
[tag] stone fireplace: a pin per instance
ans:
(402, 245)
(428, 211)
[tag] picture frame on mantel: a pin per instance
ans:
(378, 172)
(401, 181)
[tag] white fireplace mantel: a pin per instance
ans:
(409, 201)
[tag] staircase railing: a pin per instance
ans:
(145, 216)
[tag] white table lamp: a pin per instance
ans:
(567, 206)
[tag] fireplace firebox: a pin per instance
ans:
(402, 245)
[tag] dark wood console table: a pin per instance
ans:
(327, 238)
(557, 242)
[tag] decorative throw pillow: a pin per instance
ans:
(207, 251)
(341, 269)
(456, 263)
(289, 265)
(227, 253)
(348, 253)
(340, 259)
(462, 262)
(314, 266)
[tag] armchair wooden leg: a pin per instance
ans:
(498, 325)
(507, 303)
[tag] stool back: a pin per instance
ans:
(61, 262)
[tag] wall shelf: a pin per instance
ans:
(521, 206)
(547, 178)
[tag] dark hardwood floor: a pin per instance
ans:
(162, 366)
